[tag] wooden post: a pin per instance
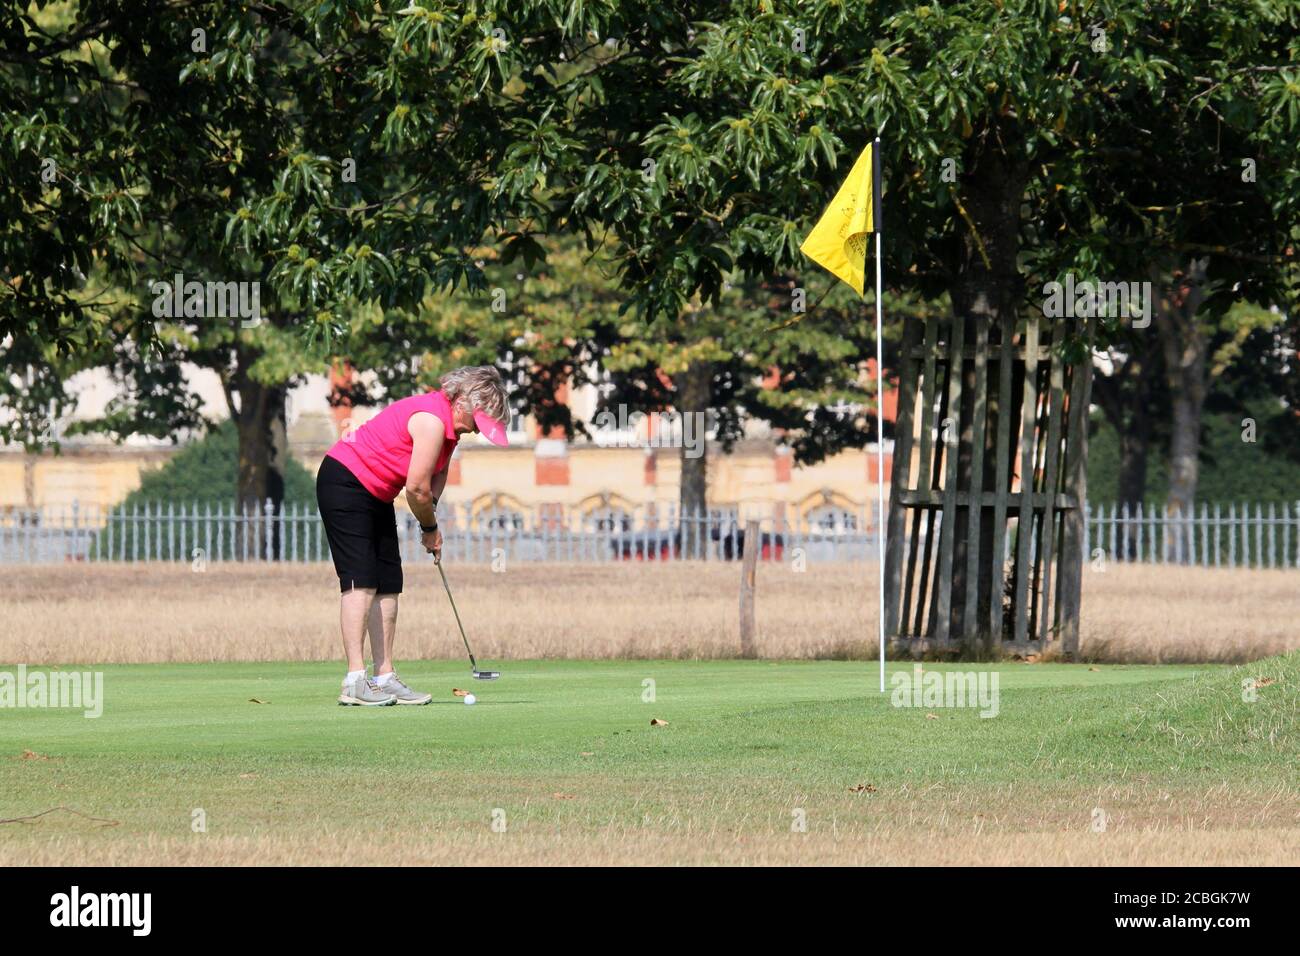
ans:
(748, 566)
(974, 512)
(1001, 483)
(950, 436)
(1047, 629)
(1074, 531)
(900, 482)
(1025, 514)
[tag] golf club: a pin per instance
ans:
(478, 674)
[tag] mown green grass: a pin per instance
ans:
(568, 747)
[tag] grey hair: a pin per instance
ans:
(477, 387)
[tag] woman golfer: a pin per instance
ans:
(405, 447)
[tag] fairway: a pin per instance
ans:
(759, 761)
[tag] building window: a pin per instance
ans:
(501, 519)
(829, 519)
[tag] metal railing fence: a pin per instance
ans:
(1261, 535)
(187, 532)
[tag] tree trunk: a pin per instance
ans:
(1183, 469)
(1134, 449)
(1185, 345)
(1125, 397)
(988, 284)
(263, 452)
(694, 392)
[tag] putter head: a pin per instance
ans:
(486, 675)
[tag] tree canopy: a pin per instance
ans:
(354, 155)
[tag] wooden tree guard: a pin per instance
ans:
(962, 569)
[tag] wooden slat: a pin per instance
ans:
(948, 529)
(932, 498)
(911, 543)
(1044, 353)
(928, 593)
(1075, 475)
(927, 590)
(1025, 522)
(896, 544)
(1042, 411)
(748, 568)
(1050, 468)
(970, 608)
(1002, 489)
(922, 626)
(927, 404)
(913, 599)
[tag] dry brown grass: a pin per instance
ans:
(617, 846)
(1169, 615)
(158, 612)
(930, 825)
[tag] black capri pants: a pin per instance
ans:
(362, 531)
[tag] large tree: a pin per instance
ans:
(336, 155)
(1023, 141)
(1210, 216)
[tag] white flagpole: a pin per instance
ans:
(880, 401)
(880, 463)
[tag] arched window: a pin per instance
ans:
(497, 512)
(606, 512)
(608, 519)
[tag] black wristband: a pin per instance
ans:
(429, 528)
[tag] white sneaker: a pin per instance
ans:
(363, 692)
(402, 693)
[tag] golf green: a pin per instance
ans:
(262, 752)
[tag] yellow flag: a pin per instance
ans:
(838, 243)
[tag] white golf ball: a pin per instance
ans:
(470, 698)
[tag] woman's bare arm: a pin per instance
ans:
(427, 434)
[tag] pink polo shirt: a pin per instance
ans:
(379, 452)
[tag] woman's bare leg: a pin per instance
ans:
(383, 630)
(354, 610)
